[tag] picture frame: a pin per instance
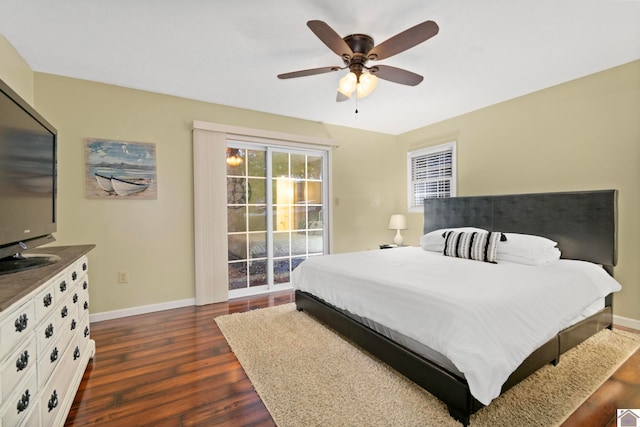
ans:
(117, 169)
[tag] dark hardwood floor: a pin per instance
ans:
(174, 368)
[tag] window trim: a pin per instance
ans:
(426, 152)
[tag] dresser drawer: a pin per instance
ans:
(48, 332)
(17, 326)
(56, 389)
(48, 361)
(32, 418)
(19, 403)
(83, 295)
(17, 367)
(84, 334)
(83, 265)
(62, 285)
(46, 300)
(68, 309)
(79, 270)
(75, 300)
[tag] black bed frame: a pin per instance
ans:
(583, 223)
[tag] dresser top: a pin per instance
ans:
(14, 286)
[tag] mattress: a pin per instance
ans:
(435, 356)
(480, 319)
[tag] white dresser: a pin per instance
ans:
(45, 343)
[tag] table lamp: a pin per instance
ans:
(398, 222)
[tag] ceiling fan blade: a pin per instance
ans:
(309, 72)
(396, 75)
(341, 97)
(329, 37)
(404, 40)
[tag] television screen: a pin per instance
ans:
(27, 173)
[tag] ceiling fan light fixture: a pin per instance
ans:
(347, 84)
(366, 85)
(363, 85)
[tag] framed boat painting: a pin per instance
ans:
(120, 169)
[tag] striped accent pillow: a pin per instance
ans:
(472, 245)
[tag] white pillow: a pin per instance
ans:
(540, 257)
(527, 249)
(434, 240)
(528, 241)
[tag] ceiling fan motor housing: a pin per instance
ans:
(360, 44)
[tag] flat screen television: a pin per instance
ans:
(28, 183)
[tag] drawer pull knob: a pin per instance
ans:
(53, 401)
(63, 286)
(23, 403)
(22, 361)
(75, 298)
(76, 353)
(73, 324)
(86, 331)
(85, 285)
(64, 312)
(84, 266)
(86, 305)
(47, 300)
(74, 275)
(54, 354)
(48, 333)
(21, 323)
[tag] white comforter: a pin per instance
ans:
(486, 318)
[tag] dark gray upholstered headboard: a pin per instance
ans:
(584, 223)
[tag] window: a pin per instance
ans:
(431, 173)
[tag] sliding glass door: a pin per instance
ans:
(276, 214)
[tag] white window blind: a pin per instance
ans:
(431, 174)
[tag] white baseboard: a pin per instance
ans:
(125, 312)
(626, 322)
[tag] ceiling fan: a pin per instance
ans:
(356, 50)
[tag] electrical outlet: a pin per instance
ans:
(123, 277)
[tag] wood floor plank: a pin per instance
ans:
(175, 369)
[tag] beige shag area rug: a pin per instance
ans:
(307, 375)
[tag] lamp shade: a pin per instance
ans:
(398, 222)
(347, 84)
(366, 85)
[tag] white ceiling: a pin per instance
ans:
(229, 52)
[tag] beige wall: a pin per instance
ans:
(580, 135)
(14, 71)
(365, 184)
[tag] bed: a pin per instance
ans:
(582, 223)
